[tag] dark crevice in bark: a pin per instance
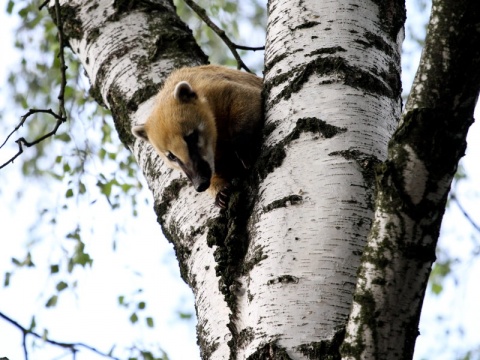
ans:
(385, 83)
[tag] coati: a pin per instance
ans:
(207, 122)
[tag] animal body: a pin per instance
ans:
(207, 123)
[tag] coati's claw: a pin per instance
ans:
(222, 198)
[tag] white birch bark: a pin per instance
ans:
(413, 186)
(300, 293)
(122, 56)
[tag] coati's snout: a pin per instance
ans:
(199, 173)
(202, 186)
(198, 169)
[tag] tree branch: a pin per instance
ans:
(73, 347)
(21, 141)
(231, 45)
(465, 213)
(413, 185)
(63, 67)
(61, 116)
(42, 5)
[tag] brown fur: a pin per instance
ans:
(227, 102)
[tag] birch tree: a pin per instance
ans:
(325, 249)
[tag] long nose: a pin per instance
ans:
(203, 185)
(199, 173)
(197, 168)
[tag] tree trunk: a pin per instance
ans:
(332, 100)
(274, 275)
(413, 185)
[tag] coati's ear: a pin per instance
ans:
(140, 132)
(184, 92)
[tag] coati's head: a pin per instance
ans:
(182, 130)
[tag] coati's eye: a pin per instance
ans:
(171, 157)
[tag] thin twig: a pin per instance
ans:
(42, 5)
(63, 67)
(465, 213)
(62, 114)
(24, 345)
(71, 346)
(24, 118)
(242, 47)
(21, 141)
(231, 45)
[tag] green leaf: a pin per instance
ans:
(33, 324)
(440, 271)
(81, 188)
(63, 137)
(141, 305)
(106, 188)
(69, 193)
(54, 269)
(101, 153)
(149, 321)
(121, 300)
(437, 288)
(70, 266)
(184, 316)
(74, 235)
(66, 168)
(61, 286)
(28, 261)
(83, 259)
(147, 355)
(126, 187)
(461, 173)
(23, 12)
(133, 318)
(6, 281)
(10, 7)
(52, 302)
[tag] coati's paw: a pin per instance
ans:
(223, 196)
(221, 190)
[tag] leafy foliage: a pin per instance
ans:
(136, 306)
(441, 269)
(84, 156)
